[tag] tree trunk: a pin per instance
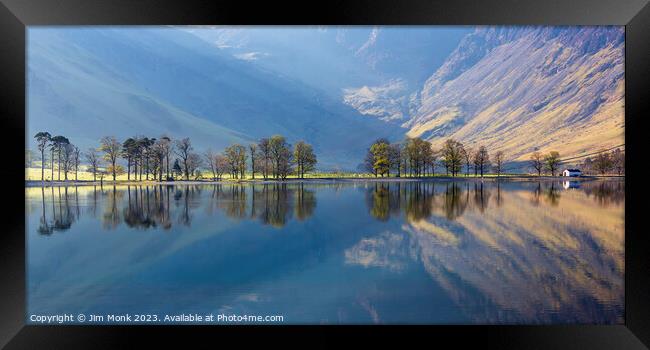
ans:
(253, 165)
(43, 165)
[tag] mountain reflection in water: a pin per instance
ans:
(335, 252)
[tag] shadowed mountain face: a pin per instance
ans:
(515, 89)
(526, 89)
(336, 57)
(86, 83)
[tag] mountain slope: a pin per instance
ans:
(71, 93)
(219, 98)
(338, 57)
(374, 68)
(523, 89)
(515, 89)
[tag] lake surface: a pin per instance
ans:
(344, 252)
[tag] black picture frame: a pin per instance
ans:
(16, 15)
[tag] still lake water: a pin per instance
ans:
(433, 252)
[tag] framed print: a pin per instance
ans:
(361, 170)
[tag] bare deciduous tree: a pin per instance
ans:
(467, 158)
(76, 155)
(67, 152)
(194, 162)
(93, 162)
(166, 142)
(211, 162)
(603, 163)
(183, 149)
(618, 159)
(264, 155)
(252, 148)
(481, 160)
(537, 162)
(220, 165)
(111, 148)
(498, 162)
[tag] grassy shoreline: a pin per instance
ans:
(38, 183)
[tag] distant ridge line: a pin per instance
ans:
(591, 154)
(522, 165)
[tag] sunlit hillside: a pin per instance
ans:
(521, 90)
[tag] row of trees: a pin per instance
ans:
(165, 158)
(163, 206)
(416, 157)
(274, 158)
(271, 157)
(605, 163)
(66, 154)
(548, 162)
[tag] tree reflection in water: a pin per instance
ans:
(148, 207)
(536, 194)
(378, 199)
(160, 206)
(606, 193)
(504, 261)
(553, 194)
(45, 227)
(65, 210)
(481, 196)
(549, 192)
(111, 218)
(502, 252)
(455, 202)
(275, 204)
(419, 200)
(305, 203)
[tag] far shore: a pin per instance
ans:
(39, 183)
